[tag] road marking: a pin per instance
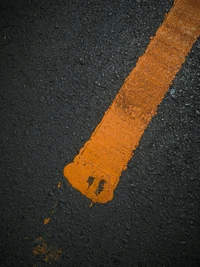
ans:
(96, 169)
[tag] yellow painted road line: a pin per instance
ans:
(96, 169)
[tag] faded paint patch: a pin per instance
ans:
(47, 253)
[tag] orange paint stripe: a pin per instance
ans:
(96, 169)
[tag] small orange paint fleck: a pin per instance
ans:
(46, 221)
(52, 211)
(95, 171)
(59, 185)
(91, 204)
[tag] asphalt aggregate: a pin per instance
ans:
(62, 63)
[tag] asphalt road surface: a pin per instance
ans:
(62, 63)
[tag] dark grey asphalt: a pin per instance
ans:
(62, 63)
